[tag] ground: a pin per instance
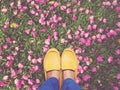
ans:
(28, 28)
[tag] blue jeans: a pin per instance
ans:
(53, 84)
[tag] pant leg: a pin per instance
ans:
(70, 84)
(50, 84)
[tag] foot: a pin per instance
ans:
(68, 74)
(69, 64)
(53, 73)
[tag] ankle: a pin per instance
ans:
(68, 74)
(54, 74)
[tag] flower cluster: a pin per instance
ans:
(28, 28)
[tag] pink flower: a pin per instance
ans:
(34, 34)
(79, 50)
(89, 27)
(12, 4)
(62, 7)
(85, 68)
(88, 63)
(14, 53)
(55, 34)
(9, 63)
(2, 84)
(64, 25)
(82, 40)
(80, 58)
(13, 73)
(88, 42)
(22, 9)
(79, 3)
(59, 19)
(118, 51)
(15, 12)
(86, 77)
(53, 26)
(69, 36)
(30, 81)
(86, 85)
(78, 80)
(43, 30)
(45, 48)
(100, 30)
(27, 31)
(18, 84)
(33, 29)
(88, 11)
(86, 35)
(42, 21)
(115, 88)
(68, 10)
(99, 58)
(47, 41)
(91, 19)
(99, 40)
(19, 71)
(63, 40)
(41, 1)
(30, 22)
(82, 33)
(80, 69)
(74, 10)
(114, 2)
(104, 20)
(10, 57)
(94, 26)
(110, 59)
(111, 33)
(55, 18)
(5, 78)
(22, 82)
(26, 76)
(4, 10)
(68, 32)
(29, 57)
(34, 87)
(103, 37)
(118, 24)
(37, 81)
(94, 69)
(107, 3)
(32, 12)
(34, 69)
(77, 32)
(117, 9)
(30, 52)
(34, 60)
(56, 4)
(51, 8)
(118, 76)
(5, 46)
(29, 88)
(81, 9)
(8, 39)
(20, 65)
(74, 18)
(80, 28)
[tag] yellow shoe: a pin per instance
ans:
(52, 62)
(69, 61)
